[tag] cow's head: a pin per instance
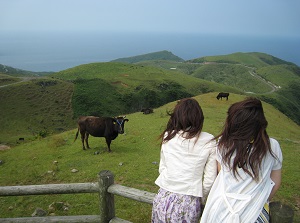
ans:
(119, 124)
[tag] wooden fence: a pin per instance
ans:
(105, 188)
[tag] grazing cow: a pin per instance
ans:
(106, 127)
(147, 111)
(223, 95)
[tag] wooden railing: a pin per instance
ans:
(105, 188)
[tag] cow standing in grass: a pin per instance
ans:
(106, 127)
(222, 95)
(147, 111)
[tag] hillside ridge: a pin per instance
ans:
(160, 55)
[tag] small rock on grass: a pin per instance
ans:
(39, 212)
(74, 170)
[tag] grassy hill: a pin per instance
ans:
(271, 79)
(8, 79)
(267, 77)
(118, 88)
(161, 55)
(39, 106)
(35, 108)
(137, 150)
(19, 72)
(253, 59)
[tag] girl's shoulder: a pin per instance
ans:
(274, 144)
(207, 139)
(275, 147)
(206, 135)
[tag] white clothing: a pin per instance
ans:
(238, 200)
(188, 166)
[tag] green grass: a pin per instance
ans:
(7, 79)
(137, 149)
(234, 75)
(235, 70)
(35, 107)
(107, 88)
(161, 55)
(128, 77)
(280, 75)
(254, 59)
(48, 105)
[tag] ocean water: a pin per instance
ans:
(62, 50)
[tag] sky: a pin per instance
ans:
(230, 17)
(51, 35)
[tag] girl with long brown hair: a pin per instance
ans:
(187, 165)
(249, 164)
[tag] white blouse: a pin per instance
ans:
(241, 200)
(188, 166)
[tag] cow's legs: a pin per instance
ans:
(82, 133)
(108, 141)
(87, 140)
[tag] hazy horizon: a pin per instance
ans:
(55, 51)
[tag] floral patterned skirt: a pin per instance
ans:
(173, 207)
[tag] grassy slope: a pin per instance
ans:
(32, 109)
(251, 59)
(232, 75)
(245, 71)
(7, 79)
(161, 55)
(125, 87)
(234, 70)
(132, 76)
(227, 69)
(281, 75)
(183, 67)
(29, 163)
(39, 106)
(19, 73)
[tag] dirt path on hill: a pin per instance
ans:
(273, 86)
(23, 79)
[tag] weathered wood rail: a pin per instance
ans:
(105, 188)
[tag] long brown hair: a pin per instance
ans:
(188, 117)
(244, 137)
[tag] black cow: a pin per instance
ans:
(147, 111)
(223, 95)
(100, 127)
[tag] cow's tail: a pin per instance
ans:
(76, 134)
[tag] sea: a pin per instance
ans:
(56, 51)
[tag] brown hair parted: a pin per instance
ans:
(187, 116)
(244, 138)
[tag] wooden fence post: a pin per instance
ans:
(106, 200)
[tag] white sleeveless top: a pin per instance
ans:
(241, 200)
